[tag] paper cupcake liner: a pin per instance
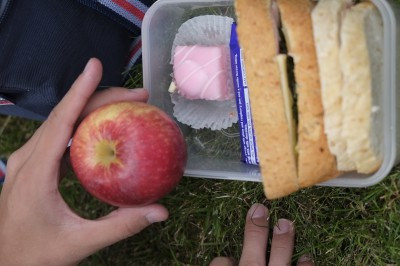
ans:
(215, 115)
(208, 30)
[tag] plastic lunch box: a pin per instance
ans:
(217, 154)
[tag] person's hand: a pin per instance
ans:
(36, 225)
(256, 238)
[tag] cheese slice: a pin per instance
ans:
(281, 60)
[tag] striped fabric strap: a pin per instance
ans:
(5, 102)
(130, 14)
(135, 52)
(2, 171)
(131, 10)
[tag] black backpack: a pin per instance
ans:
(45, 44)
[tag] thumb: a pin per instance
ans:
(118, 225)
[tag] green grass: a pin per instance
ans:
(337, 226)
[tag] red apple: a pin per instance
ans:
(128, 154)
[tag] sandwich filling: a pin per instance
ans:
(287, 78)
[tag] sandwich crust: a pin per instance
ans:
(257, 35)
(315, 161)
(361, 57)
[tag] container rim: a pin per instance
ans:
(386, 9)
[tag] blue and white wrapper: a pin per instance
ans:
(247, 136)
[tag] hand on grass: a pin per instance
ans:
(256, 238)
(36, 225)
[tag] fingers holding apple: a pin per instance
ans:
(114, 94)
(128, 153)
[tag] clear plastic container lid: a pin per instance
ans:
(216, 154)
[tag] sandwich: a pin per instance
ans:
(361, 57)
(349, 49)
(288, 122)
(301, 111)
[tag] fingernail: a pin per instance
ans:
(257, 211)
(304, 258)
(283, 226)
(87, 65)
(258, 215)
(156, 217)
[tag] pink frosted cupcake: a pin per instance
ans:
(200, 72)
(202, 87)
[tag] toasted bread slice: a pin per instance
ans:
(258, 38)
(326, 18)
(362, 63)
(315, 161)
